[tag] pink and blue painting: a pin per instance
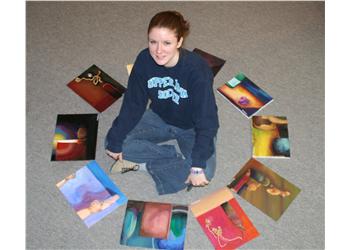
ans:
(154, 225)
(91, 193)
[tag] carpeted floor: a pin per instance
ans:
(278, 45)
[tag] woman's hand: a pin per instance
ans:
(115, 156)
(197, 177)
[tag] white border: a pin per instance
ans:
(13, 124)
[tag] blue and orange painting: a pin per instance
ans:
(164, 230)
(91, 193)
(245, 95)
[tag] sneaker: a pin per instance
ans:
(124, 166)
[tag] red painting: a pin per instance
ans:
(156, 220)
(223, 220)
(97, 88)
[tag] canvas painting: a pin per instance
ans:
(264, 188)
(97, 88)
(245, 95)
(75, 137)
(154, 225)
(214, 62)
(91, 193)
(270, 136)
(129, 68)
(223, 221)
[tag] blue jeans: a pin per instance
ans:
(168, 168)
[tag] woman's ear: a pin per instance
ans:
(179, 43)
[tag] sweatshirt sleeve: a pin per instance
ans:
(205, 117)
(133, 107)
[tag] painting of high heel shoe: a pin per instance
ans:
(97, 88)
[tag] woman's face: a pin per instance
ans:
(164, 46)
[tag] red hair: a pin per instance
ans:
(172, 20)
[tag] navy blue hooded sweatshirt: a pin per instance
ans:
(181, 95)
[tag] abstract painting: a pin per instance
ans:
(97, 88)
(91, 193)
(244, 95)
(270, 136)
(75, 137)
(264, 188)
(223, 221)
(154, 225)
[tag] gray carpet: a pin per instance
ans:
(278, 45)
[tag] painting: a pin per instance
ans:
(97, 88)
(214, 62)
(270, 136)
(75, 137)
(264, 188)
(154, 225)
(129, 68)
(223, 220)
(91, 193)
(246, 96)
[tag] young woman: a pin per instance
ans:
(179, 84)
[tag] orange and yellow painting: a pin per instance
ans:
(264, 188)
(270, 136)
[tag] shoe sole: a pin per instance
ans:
(121, 169)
